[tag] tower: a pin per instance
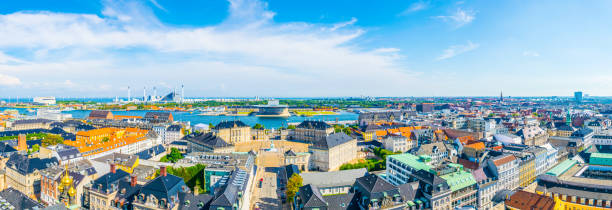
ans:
(144, 94)
(501, 96)
(154, 97)
(182, 93)
(568, 118)
(129, 95)
(21, 143)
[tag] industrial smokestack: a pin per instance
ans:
(129, 94)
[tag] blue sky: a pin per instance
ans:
(280, 48)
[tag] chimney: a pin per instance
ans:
(133, 180)
(113, 168)
(162, 170)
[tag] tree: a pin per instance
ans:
(173, 157)
(293, 186)
(347, 130)
(291, 127)
(210, 126)
(52, 139)
(258, 126)
(35, 148)
(105, 139)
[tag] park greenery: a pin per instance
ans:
(173, 157)
(341, 128)
(30, 136)
(371, 164)
(293, 186)
(193, 176)
(52, 139)
(291, 127)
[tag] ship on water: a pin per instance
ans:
(273, 109)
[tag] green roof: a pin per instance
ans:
(601, 159)
(459, 180)
(412, 161)
(562, 167)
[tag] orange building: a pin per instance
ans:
(106, 139)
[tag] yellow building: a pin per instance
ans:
(561, 204)
(233, 132)
(527, 173)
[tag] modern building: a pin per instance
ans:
(578, 96)
(425, 107)
(44, 100)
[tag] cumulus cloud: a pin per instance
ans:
(248, 53)
(6, 80)
(455, 50)
(459, 18)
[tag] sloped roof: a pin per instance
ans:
(333, 178)
(163, 187)
(25, 165)
(19, 200)
(333, 140)
(104, 182)
(230, 124)
(312, 124)
(374, 184)
(99, 113)
(208, 139)
(311, 196)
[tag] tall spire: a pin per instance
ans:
(501, 96)
(568, 118)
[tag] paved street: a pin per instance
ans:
(266, 195)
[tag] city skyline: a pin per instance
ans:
(242, 48)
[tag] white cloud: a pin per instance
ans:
(344, 24)
(459, 18)
(248, 53)
(455, 50)
(159, 6)
(531, 53)
(7, 80)
(415, 7)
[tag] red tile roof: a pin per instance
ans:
(527, 200)
(504, 160)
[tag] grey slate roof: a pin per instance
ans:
(104, 182)
(311, 197)
(189, 201)
(174, 128)
(164, 187)
(312, 124)
(25, 165)
(19, 200)
(230, 124)
(374, 184)
(208, 139)
(333, 178)
(30, 121)
(333, 140)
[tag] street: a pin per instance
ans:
(266, 195)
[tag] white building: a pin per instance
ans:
(45, 100)
(396, 143)
(506, 168)
(52, 114)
